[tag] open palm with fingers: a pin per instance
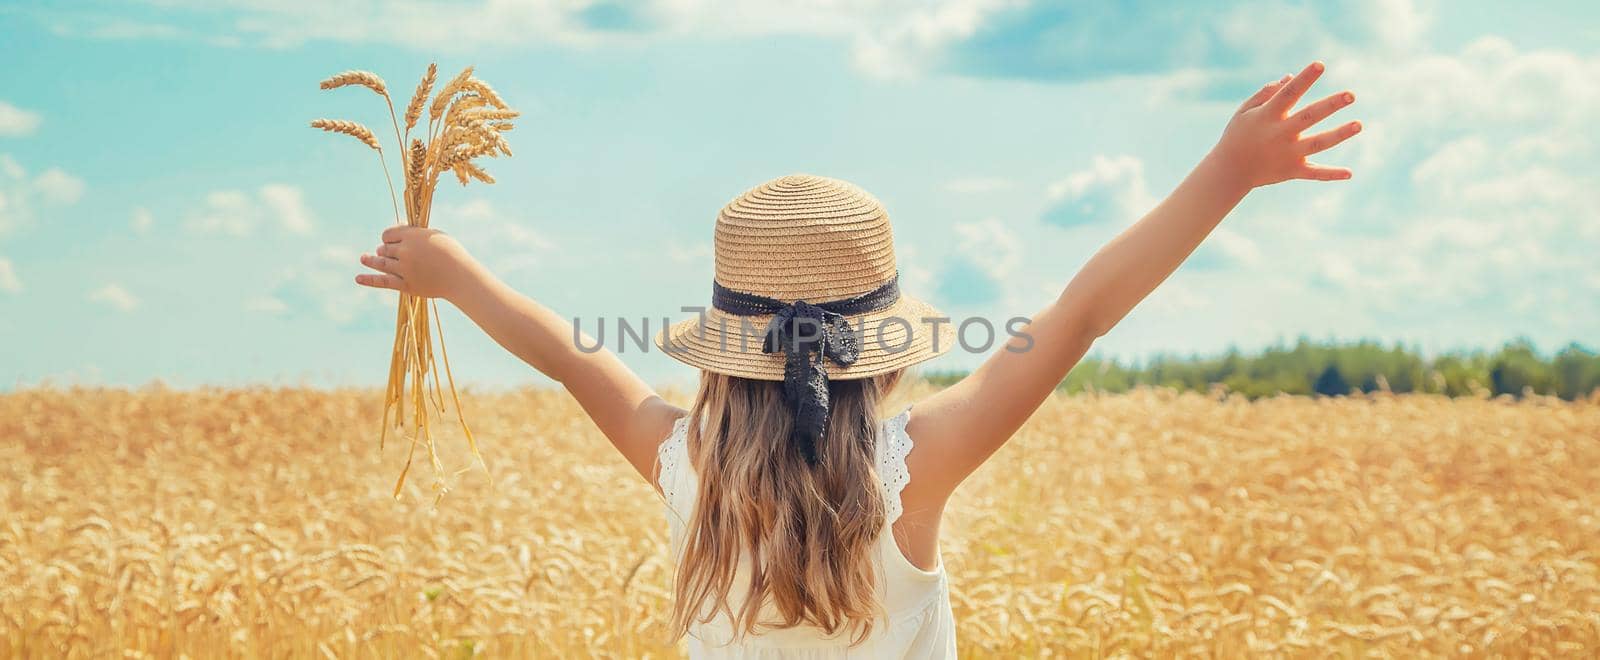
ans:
(1265, 142)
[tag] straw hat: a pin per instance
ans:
(817, 240)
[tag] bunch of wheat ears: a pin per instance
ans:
(466, 120)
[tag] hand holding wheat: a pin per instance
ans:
(419, 261)
(467, 120)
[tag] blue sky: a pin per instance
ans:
(165, 213)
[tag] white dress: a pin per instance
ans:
(919, 624)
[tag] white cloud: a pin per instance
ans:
(884, 38)
(975, 274)
(1236, 247)
(1503, 199)
(115, 297)
(892, 31)
(1471, 210)
(914, 275)
(16, 122)
(226, 212)
(1111, 189)
(1337, 270)
(887, 38)
(507, 244)
(1176, 298)
(1083, 41)
(1445, 167)
(238, 213)
(991, 245)
(321, 284)
(8, 277)
(1397, 23)
(289, 23)
(21, 198)
(142, 220)
(287, 207)
(904, 47)
(58, 186)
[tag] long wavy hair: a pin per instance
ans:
(807, 532)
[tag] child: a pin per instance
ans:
(802, 526)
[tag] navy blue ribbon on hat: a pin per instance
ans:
(807, 334)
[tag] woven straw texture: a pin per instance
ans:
(816, 239)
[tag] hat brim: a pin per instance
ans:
(893, 338)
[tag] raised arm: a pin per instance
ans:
(426, 262)
(964, 424)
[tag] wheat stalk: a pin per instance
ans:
(466, 119)
(365, 135)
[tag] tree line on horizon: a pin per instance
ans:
(1338, 369)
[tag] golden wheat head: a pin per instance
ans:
(493, 114)
(365, 79)
(416, 165)
(483, 89)
(447, 92)
(464, 169)
(464, 104)
(349, 128)
(414, 109)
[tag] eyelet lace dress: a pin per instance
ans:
(919, 621)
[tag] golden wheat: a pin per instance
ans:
(465, 170)
(450, 146)
(488, 114)
(447, 92)
(349, 128)
(414, 108)
(464, 103)
(365, 79)
(254, 523)
(416, 171)
(483, 89)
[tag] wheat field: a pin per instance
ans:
(259, 523)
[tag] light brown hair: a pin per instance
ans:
(806, 531)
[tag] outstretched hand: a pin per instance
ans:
(419, 261)
(1263, 143)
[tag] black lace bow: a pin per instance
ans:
(808, 334)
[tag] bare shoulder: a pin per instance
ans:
(652, 421)
(928, 428)
(660, 418)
